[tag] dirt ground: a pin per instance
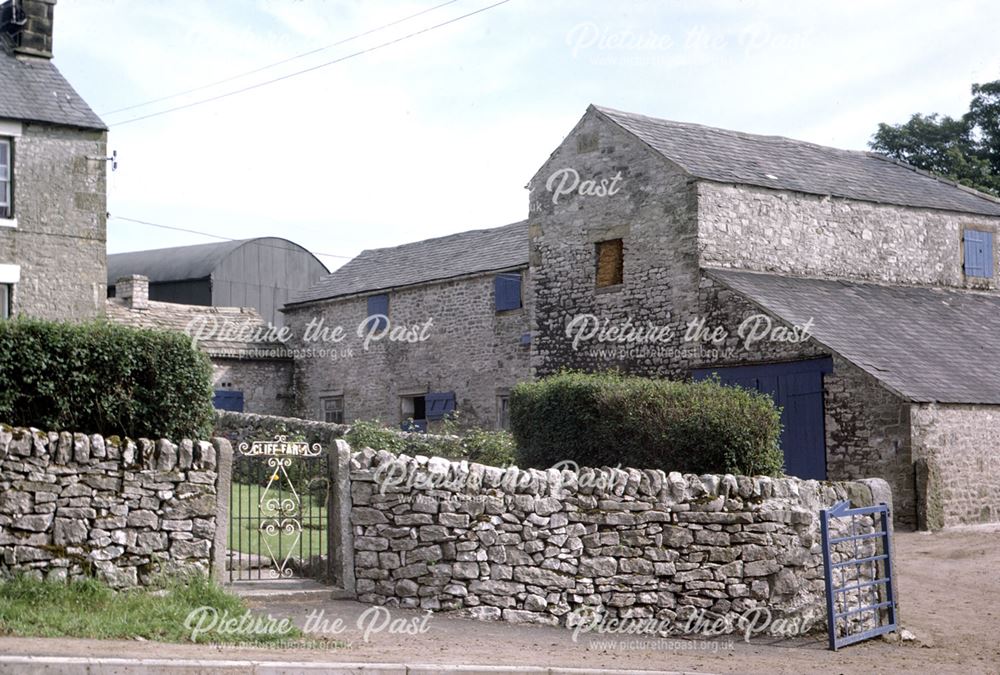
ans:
(949, 584)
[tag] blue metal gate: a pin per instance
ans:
(857, 559)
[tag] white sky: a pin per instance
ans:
(441, 132)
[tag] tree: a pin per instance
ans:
(966, 150)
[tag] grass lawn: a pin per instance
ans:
(245, 519)
(89, 609)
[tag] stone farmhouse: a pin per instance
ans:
(857, 291)
(53, 222)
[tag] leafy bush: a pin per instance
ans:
(103, 378)
(610, 419)
(494, 448)
(371, 434)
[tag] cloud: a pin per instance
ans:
(440, 133)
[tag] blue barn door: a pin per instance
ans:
(797, 388)
(225, 399)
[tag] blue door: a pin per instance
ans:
(797, 388)
(224, 399)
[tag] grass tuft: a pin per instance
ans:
(87, 608)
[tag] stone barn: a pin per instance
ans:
(857, 291)
(448, 320)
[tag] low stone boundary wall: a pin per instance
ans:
(75, 505)
(534, 546)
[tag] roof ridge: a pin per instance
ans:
(732, 132)
(783, 163)
(205, 243)
(439, 238)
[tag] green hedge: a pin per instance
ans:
(609, 420)
(103, 378)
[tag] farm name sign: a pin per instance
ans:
(280, 447)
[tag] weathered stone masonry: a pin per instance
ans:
(955, 448)
(534, 546)
(471, 349)
(75, 505)
(61, 211)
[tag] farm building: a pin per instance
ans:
(858, 292)
(262, 273)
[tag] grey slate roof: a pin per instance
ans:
(229, 321)
(171, 264)
(786, 164)
(423, 261)
(927, 344)
(33, 89)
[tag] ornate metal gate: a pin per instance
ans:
(279, 508)
(860, 587)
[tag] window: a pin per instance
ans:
(378, 305)
(6, 175)
(5, 293)
(503, 411)
(610, 265)
(413, 410)
(9, 276)
(333, 409)
(417, 411)
(507, 289)
(978, 253)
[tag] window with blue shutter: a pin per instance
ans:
(978, 254)
(440, 404)
(378, 305)
(508, 291)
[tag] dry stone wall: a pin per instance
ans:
(75, 505)
(534, 546)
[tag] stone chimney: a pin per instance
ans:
(26, 25)
(133, 291)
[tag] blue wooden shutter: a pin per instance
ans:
(440, 404)
(508, 291)
(226, 399)
(978, 253)
(379, 304)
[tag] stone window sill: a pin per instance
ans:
(609, 289)
(8, 222)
